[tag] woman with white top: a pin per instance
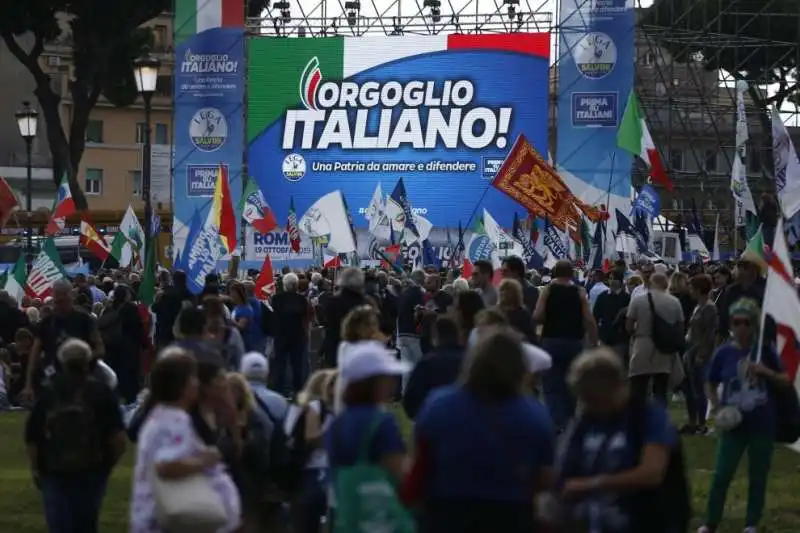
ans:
(313, 410)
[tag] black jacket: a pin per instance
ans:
(438, 368)
(166, 310)
(336, 308)
(407, 302)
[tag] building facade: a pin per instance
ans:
(110, 172)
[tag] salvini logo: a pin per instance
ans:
(208, 64)
(364, 116)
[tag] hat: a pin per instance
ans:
(367, 360)
(254, 365)
(660, 268)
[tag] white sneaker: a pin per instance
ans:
(750, 529)
(704, 529)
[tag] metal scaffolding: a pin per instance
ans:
(691, 55)
(325, 18)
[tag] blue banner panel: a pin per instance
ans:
(595, 76)
(209, 122)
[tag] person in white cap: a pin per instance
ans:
(255, 368)
(371, 373)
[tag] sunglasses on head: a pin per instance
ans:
(740, 322)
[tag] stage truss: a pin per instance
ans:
(689, 108)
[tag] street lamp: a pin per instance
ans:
(28, 121)
(145, 70)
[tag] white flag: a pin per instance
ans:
(715, 253)
(787, 166)
(504, 244)
(742, 197)
(133, 250)
(327, 219)
(376, 215)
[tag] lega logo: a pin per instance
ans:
(595, 55)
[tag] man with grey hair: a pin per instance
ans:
(65, 322)
(647, 365)
(292, 314)
(350, 282)
(74, 436)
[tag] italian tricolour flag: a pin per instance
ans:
(197, 16)
(634, 137)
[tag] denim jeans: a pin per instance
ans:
(696, 403)
(410, 352)
(559, 399)
(72, 505)
(295, 357)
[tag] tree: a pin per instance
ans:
(105, 38)
(752, 40)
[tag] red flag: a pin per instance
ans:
(331, 261)
(91, 239)
(8, 202)
(265, 283)
(466, 270)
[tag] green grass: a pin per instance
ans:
(20, 505)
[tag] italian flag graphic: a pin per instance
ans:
(196, 16)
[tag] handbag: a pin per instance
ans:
(188, 505)
(668, 338)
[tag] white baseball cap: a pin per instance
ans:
(368, 360)
(254, 365)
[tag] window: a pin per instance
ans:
(140, 132)
(94, 181)
(164, 85)
(135, 178)
(94, 131)
(711, 160)
(162, 134)
(676, 159)
(160, 37)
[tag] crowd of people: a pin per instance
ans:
(539, 400)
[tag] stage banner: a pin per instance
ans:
(595, 75)
(208, 126)
(439, 111)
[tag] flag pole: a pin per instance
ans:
(608, 202)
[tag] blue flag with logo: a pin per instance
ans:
(429, 257)
(626, 227)
(200, 254)
(596, 254)
(400, 198)
(647, 202)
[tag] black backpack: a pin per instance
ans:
(110, 326)
(73, 443)
(284, 455)
(668, 338)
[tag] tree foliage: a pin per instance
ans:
(753, 40)
(105, 38)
